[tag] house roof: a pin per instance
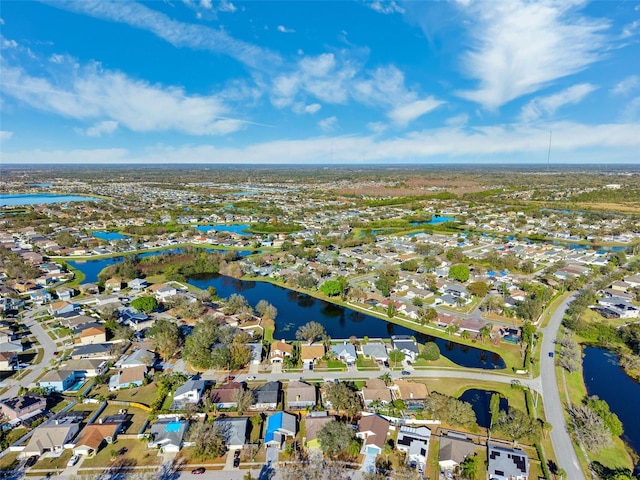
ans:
(314, 425)
(93, 349)
(188, 386)
(454, 449)
(94, 434)
(281, 422)
(49, 435)
(92, 330)
(415, 440)
(280, 346)
(408, 390)
(23, 401)
(168, 431)
(311, 352)
(267, 393)
(345, 350)
(7, 356)
(376, 389)
(505, 463)
(225, 393)
(138, 358)
(84, 364)
(57, 376)
(376, 427)
(375, 350)
(133, 374)
(300, 392)
(234, 430)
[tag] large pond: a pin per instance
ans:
(40, 198)
(295, 309)
(91, 268)
(239, 229)
(606, 379)
(480, 401)
(109, 236)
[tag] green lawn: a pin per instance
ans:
(48, 463)
(135, 450)
(145, 394)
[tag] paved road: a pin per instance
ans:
(553, 408)
(45, 342)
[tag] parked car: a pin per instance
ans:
(31, 461)
(236, 462)
(73, 460)
(251, 377)
(405, 372)
(198, 471)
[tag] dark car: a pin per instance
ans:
(236, 462)
(405, 372)
(31, 461)
(551, 354)
(199, 471)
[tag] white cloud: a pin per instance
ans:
(377, 127)
(8, 43)
(206, 4)
(179, 34)
(405, 114)
(385, 8)
(106, 127)
(57, 58)
(626, 86)
(225, 6)
(5, 135)
(312, 108)
(283, 29)
(631, 29)
(520, 47)
(328, 124)
(91, 92)
(578, 143)
(548, 105)
(457, 121)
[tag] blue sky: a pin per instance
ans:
(206, 81)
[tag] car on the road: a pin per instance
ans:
(550, 354)
(251, 377)
(405, 372)
(55, 354)
(198, 471)
(229, 378)
(73, 460)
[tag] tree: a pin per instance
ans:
(479, 289)
(343, 397)
(427, 315)
(331, 288)
(244, 399)
(430, 352)
(611, 420)
(165, 337)
(396, 356)
(146, 303)
(335, 438)
(197, 349)
(459, 273)
(240, 355)
(208, 440)
(266, 310)
(591, 429)
(236, 303)
(470, 466)
(310, 332)
(517, 425)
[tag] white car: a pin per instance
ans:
(73, 460)
(251, 377)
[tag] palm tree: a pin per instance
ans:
(465, 335)
(451, 329)
(386, 378)
(485, 332)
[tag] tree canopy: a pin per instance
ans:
(145, 303)
(335, 438)
(310, 332)
(459, 272)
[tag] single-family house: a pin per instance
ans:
(94, 436)
(137, 358)
(58, 380)
(234, 431)
(94, 350)
(310, 354)
(376, 390)
(163, 291)
(415, 443)
(373, 429)
(189, 393)
(60, 307)
(345, 352)
(406, 345)
(128, 377)
(87, 367)
(113, 285)
(89, 288)
(266, 397)
(454, 448)
(279, 350)
(375, 350)
(136, 320)
(314, 421)
(225, 395)
(279, 426)
(64, 293)
(507, 463)
(300, 395)
(91, 333)
(51, 437)
(16, 407)
(14, 346)
(8, 361)
(410, 391)
(137, 284)
(168, 434)
(40, 297)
